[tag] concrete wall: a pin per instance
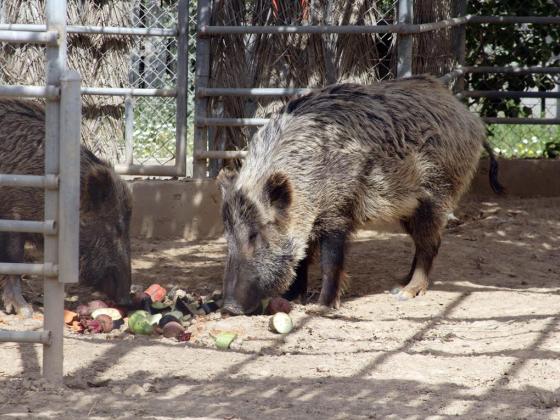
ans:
(191, 209)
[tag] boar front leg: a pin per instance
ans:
(299, 286)
(333, 247)
(11, 250)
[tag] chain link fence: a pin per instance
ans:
(309, 60)
(109, 61)
(519, 45)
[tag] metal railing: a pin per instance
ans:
(61, 184)
(38, 33)
(403, 28)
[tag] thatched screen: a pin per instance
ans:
(107, 61)
(302, 60)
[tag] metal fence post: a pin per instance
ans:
(182, 87)
(404, 46)
(459, 43)
(201, 81)
(54, 290)
(129, 130)
(69, 189)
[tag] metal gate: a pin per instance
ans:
(153, 39)
(61, 183)
(406, 33)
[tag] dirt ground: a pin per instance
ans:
(483, 343)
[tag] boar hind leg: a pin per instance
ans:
(298, 289)
(332, 267)
(425, 227)
(12, 246)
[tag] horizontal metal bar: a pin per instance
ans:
(399, 28)
(221, 154)
(49, 182)
(149, 170)
(449, 77)
(511, 69)
(507, 94)
(231, 122)
(29, 37)
(104, 30)
(128, 92)
(46, 269)
(49, 92)
(201, 92)
(542, 20)
(530, 121)
(47, 227)
(40, 337)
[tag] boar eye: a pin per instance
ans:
(253, 236)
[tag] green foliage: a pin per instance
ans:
(525, 141)
(505, 45)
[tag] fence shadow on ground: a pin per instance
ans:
(500, 252)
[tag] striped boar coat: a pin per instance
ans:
(398, 151)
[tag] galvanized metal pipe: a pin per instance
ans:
(28, 37)
(221, 154)
(129, 130)
(40, 337)
(511, 69)
(273, 92)
(530, 121)
(128, 92)
(153, 170)
(47, 227)
(200, 166)
(404, 40)
(459, 46)
(449, 77)
(182, 87)
(53, 289)
(69, 198)
(49, 92)
(399, 28)
(230, 122)
(93, 30)
(32, 181)
(507, 94)
(539, 20)
(15, 269)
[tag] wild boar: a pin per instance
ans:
(105, 207)
(398, 151)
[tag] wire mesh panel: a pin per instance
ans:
(516, 45)
(113, 61)
(295, 60)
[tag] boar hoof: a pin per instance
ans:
(333, 303)
(411, 292)
(24, 310)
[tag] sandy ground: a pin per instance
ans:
(483, 343)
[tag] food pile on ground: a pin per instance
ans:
(155, 311)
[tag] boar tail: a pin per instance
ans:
(493, 173)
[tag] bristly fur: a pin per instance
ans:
(354, 153)
(105, 205)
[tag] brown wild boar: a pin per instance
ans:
(398, 151)
(105, 208)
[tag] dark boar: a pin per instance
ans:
(399, 151)
(105, 207)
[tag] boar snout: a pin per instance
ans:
(231, 307)
(116, 284)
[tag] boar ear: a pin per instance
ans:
(226, 178)
(278, 191)
(98, 186)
